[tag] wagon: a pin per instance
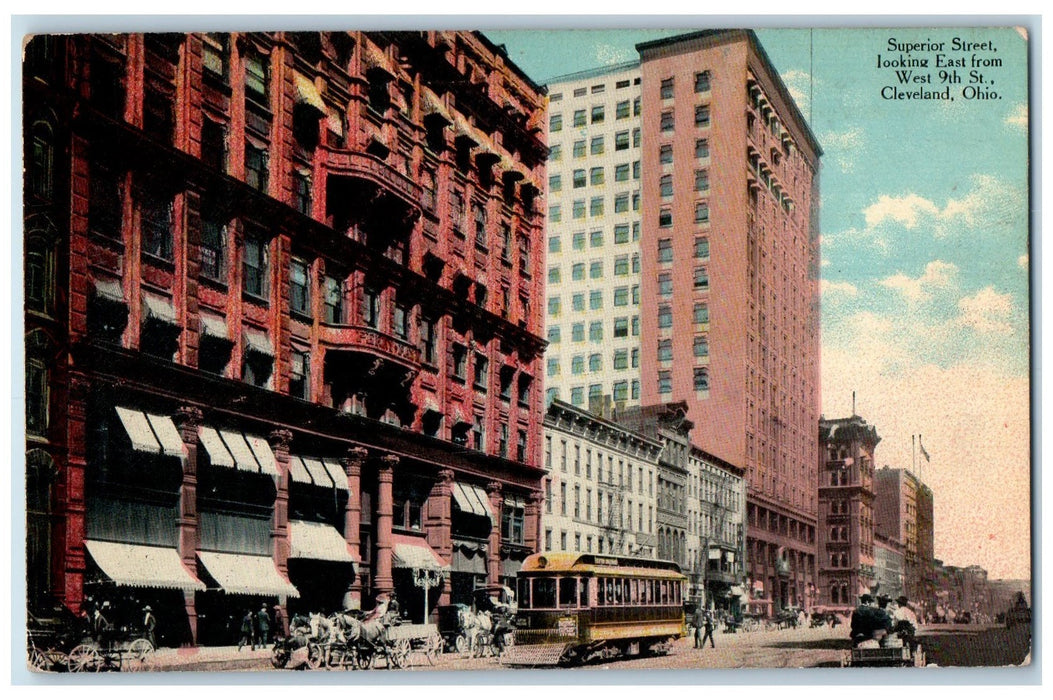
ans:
(50, 637)
(900, 655)
(127, 650)
(406, 640)
(451, 627)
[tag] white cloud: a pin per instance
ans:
(987, 311)
(1018, 118)
(905, 210)
(825, 262)
(608, 54)
(799, 85)
(843, 146)
(938, 275)
(1022, 261)
(828, 287)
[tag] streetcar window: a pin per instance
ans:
(568, 592)
(663, 592)
(626, 591)
(523, 587)
(610, 591)
(544, 593)
(600, 597)
(636, 591)
(618, 592)
(584, 593)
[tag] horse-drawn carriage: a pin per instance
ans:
(52, 634)
(484, 628)
(65, 642)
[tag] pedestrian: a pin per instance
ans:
(102, 624)
(698, 621)
(709, 631)
(248, 632)
(280, 626)
(263, 623)
(149, 625)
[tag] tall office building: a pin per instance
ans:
(729, 249)
(592, 312)
(903, 507)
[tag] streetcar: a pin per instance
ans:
(574, 608)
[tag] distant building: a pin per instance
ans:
(716, 540)
(601, 483)
(903, 508)
(846, 566)
(888, 567)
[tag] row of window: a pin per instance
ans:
(596, 207)
(667, 120)
(622, 266)
(597, 145)
(595, 176)
(620, 296)
(596, 89)
(611, 547)
(623, 233)
(700, 380)
(665, 314)
(667, 87)
(614, 511)
(620, 329)
(595, 115)
(700, 348)
(621, 390)
(621, 359)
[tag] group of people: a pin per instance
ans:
(255, 629)
(702, 620)
(874, 621)
(102, 618)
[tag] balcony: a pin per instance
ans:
(377, 345)
(376, 178)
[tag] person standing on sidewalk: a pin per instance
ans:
(709, 631)
(697, 621)
(248, 631)
(149, 625)
(263, 623)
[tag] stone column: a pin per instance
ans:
(532, 521)
(493, 489)
(188, 419)
(70, 538)
(439, 523)
(352, 463)
(279, 441)
(382, 580)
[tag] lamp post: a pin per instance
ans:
(426, 579)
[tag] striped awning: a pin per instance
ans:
(218, 454)
(165, 430)
(307, 93)
(256, 341)
(264, 455)
(472, 499)
(337, 474)
(318, 472)
(159, 308)
(109, 289)
(247, 574)
(298, 471)
(151, 433)
(308, 540)
(142, 566)
(214, 326)
(433, 106)
(244, 460)
(409, 552)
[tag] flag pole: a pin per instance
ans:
(913, 455)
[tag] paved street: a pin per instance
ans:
(946, 645)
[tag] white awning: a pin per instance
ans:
(142, 566)
(264, 455)
(337, 474)
(472, 499)
(307, 93)
(109, 289)
(218, 453)
(241, 451)
(298, 471)
(515, 502)
(139, 431)
(247, 574)
(415, 553)
(214, 326)
(309, 540)
(159, 308)
(318, 473)
(256, 341)
(165, 430)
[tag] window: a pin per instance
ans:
(596, 331)
(40, 273)
(479, 218)
(596, 238)
(555, 183)
(636, 295)
(256, 77)
(702, 81)
(621, 204)
(555, 152)
(577, 240)
(636, 263)
(41, 160)
(579, 149)
(621, 357)
(621, 172)
(665, 350)
(579, 209)
(665, 186)
(597, 114)
(552, 367)
(635, 385)
(156, 224)
(579, 178)
(621, 231)
(255, 166)
(578, 302)
(553, 306)
(701, 379)
(701, 181)
(665, 316)
(621, 141)
(621, 327)
(427, 340)
(577, 397)
(596, 176)
(702, 148)
(400, 321)
(596, 146)
(596, 299)
(666, 123)
(621, 266)
(701, 313)
(701, 212)
(665, 154)
(595, 362)
(636, 106)
(666, 91)
(370, 307)
(214, 56)
(596, 206)
(555, 123)
(665, 284)
(621, 296)
(555, 213)
(702, 115)
(553, 274)
(482, 372)
(37, 395)
(665, 382)
(665, 218)
(299, 287)
(556, 97)
(553, 334)
(636, 201)
(635, 359)
(577, 272)
(701, 346)
(701, 248)
(577, 332)
(636, 138)
(255, 268)
(636, 170)
(300, 375)
(621, 110)
(301, 181)
(579, 117)
(701, 278)
(597, 89)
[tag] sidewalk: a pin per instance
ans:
(166, 659)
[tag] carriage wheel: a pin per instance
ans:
(138, 652)
(315, 656)
(432, 649)
(38, 660)
(364, 658)
(84, 657)
(398, 653)
(460, 644)
(280, 656)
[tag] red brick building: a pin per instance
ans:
(730, 294)
(281, 324)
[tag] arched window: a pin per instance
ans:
(834, 597)
(41, 161)
(40, 478)
(38, 375)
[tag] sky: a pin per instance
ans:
(924, 257)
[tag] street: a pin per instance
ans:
(945, 645)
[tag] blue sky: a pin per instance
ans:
(924, 223)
